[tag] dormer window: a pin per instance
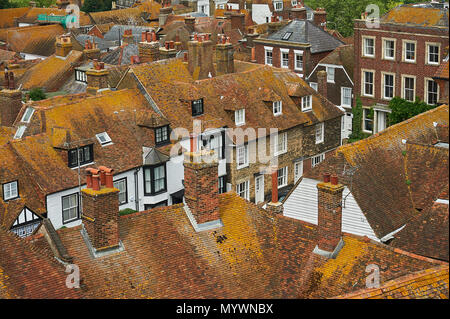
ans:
(103, 139)
(10, 190)
(197, 107)
(239, 117)
(277, 108)
(306, 103)
(162, 134)
(27, 115)
(85, 156)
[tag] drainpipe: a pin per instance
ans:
(136, 188)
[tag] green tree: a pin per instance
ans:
(357, 133)
(96, 5)
(4, 4)
(37, 94)
(403, 110)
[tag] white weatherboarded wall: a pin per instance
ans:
(302, 204)
(260, 13)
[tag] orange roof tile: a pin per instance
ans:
(442, 72)
(426, 17)
(8, 16)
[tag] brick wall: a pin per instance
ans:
(10, 105)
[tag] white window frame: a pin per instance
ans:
(298, 53)
(7, 188)
(19, 133)
(266, 50)
(284, 141)
(319, 131)
(385, 57)
(383, 84)
(306, 103)
(244, 189)
(314, 86)
(26, 118)
(330, 75)
(104, 135)
(427, 53)
(294, 2)
(77, 206)
(277, 108)
(278, 5)
(364, 121)
(343, 89)
(364, 53)
(298, 170)
(244, 149)
(284, 177)
(282, 52)
(404, 76)
(239, 117)
(405, 42)
(316, 160)
(122, 192)
(426, 80)
(363, 81)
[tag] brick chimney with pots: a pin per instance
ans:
(91, 50)
(201, 187)
(63, 45)
(10, 101)
(167, 51)
(190, 23)
(164, 12)
(275, 206)
(250, 37)
(148, 47)
(101, 212)
(127, 36)
(329, 216)
(298, 12)
(320, 18)
(322, 85)
(97, 78)
(200, 57)
(224, 56)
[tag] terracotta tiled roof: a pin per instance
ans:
(442, 72)
(51, 73)
(343, 55)
(394, 183)
(8, 55)
(39, 40)
(8, 16)
(429, 283)
(254, 255)
(418, 16)
(148, 9)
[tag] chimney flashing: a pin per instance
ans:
(330, 254)
(102, 252)
(214, 224)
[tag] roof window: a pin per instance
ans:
(103, 139)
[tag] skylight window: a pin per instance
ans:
(286, 36)
(20, 132)
(103, 138)
(27, 115)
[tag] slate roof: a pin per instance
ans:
(304, 31)
(417, 15)
(254, 255)
(117, 31)
(396, 184)
(122, 55)
(102, 44)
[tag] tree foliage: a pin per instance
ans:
(4, 4)
(37, 94)
(357, 133)
(403, 110)
(96, 5)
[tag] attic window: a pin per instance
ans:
(162, 135)
(277, 107)
(20, 132)
(10, 191)
(27, 115)
(197, 107)
(286, 36)
(103, 139)
(306, 103)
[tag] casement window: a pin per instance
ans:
(282, 177)
(298, 60)
(320, 128)
(242, 156)
(309, 15)
(10, 190)
(80, 76)
(222, 184)
(316, 160)
(346, 96)
(369, 47)
(368, 82)
(162, 135)
(197, 107)
(239, 117)
(278, 5)
(19, 133)
(314, 86)
(294, 2)
(268, 55)
(85, 156)
(70, 208)
(388, 86)
(286, 36)
(103, 139)
(277, 108)
(155, 181)
(281, 143)
(367, 121)
(306, 103)
(409, 88)
(431, 92)
(243, 190)
(298, 170)
(285, 59)
(215, 142)
(432, 53)
(27, 115)
(389, 49)
(121, 185)
(330, 74)
(409, 51)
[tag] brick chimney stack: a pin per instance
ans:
(101, 210)
(224, 56)
(97, 78)
(127, 36)
(190, 23)
(167, 51)
(275, 206)
(330, 216)
(320, 18)
(148, 47)
(164, 12)
(63, 45)
(298, 12)
(200, 55)
(322, 85)
(201, 185)
(91, 50)
(10, 101)
(238, 21)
